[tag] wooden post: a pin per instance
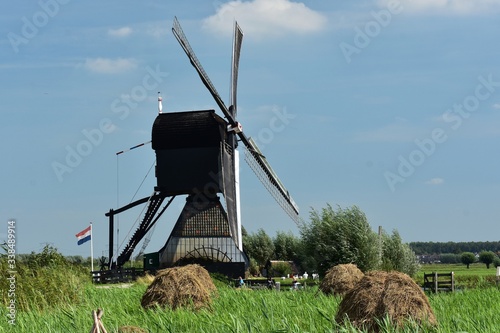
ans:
(95, 327)
(98, 326)
(452, 281)
(498, 274)
(111, 231)
(435, 282)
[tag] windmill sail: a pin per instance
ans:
(182, 39)
(254, 157)
(270, 180)
(235, 60)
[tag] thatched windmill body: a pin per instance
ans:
(197, 156)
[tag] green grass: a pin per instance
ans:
(234, 310)
(60, 300)
(476, 269)
(240, 310)
(476, 276)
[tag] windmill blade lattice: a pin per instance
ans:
(182, 39)
(271, 182)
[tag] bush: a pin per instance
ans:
(44, 280)
(496, 262)
(340, 236)
(467, 258)
(487, 257)
(450, 258)
(253, 269)
(280, 269)
(398, 256)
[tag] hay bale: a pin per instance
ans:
(146, 279)
(186, 286)
(381, 294)
(340, 279)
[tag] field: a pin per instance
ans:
(477, 269)
(476, 276)
(246, 310)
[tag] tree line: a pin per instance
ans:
(332, 237)
(428, 248)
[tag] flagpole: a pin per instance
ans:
(91, 249)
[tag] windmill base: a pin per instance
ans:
(203, 235)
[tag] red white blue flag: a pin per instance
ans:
(84, 235)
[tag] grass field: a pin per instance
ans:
(477, 275)
(245, 310)
(477, 269)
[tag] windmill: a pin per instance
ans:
(197, 156)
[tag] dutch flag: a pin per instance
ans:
(84, 235)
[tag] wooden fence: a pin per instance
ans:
(439, 282)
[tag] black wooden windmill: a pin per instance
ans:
(197, 156)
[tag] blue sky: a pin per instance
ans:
(392, 106)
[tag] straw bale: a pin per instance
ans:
(381, 294)
(340, 279)
(146, 279)
(186, 286)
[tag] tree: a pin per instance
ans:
(304, 261)
(449, 258)
(487, 257)
(496, 262)
(340, 237)
(259, 246)
(451, 247)
(468, 258)
(244, 232)
(281, 269)
(286, 246)
(253, 267)
(398, 256)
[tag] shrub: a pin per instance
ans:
(467, 258)
(281, 269)
(44, 280)
(397, 255)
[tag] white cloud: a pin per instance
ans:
(261, 19)
(158, 29)
(120, 32)
(435, 181)
(496, 106)
(262, 113)
(461, 7)
(109, 66)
